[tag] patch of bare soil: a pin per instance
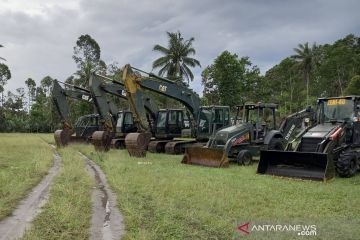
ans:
(107, 222)
(15, 225)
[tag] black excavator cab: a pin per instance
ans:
(169, 123)
(86, 125)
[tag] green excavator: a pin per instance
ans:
(331, 145)
(84, 126)
(255, 130)
(203, 119)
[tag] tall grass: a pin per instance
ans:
(163, 199)
(24, 161)
(67, 213)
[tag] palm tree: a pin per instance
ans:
(176, 62)
(306, 57)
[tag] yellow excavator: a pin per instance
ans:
(203, 119)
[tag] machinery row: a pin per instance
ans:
(315, 143)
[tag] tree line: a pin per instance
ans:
(297, 81)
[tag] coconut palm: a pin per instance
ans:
(305, 55)
(176, 62)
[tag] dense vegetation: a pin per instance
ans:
(313, 71)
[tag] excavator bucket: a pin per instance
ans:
(101, 140)
(137, 143)
(205, 157)
(304, 165)
(64, 137)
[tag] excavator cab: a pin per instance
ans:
(169, 123)
(86, 125)
(210, 120)
(125, 123)
(261, 118)
(240, 141)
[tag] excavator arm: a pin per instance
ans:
(134, 83)
(59, 95)
(101, 86)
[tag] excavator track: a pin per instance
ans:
(137, 143)
(101, 140)
(178, 147)
(157, 146)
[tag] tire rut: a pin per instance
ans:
(15, 225)
(107, 221)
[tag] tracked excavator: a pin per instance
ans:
(203, 120)
(85, 125)
(116, 124)
(255, 130)
(331, 145)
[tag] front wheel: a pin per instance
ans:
(276, 144)
(244, 157)
(347, 164)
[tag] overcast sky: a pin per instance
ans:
(39, 35)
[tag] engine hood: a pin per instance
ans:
(321, 130)
(223, 135)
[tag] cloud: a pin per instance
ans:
(39, 36)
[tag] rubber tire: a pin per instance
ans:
(276, 144)
(347, 164)
(244, 157)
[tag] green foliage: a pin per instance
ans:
(231, 80)
(176, 60)
(306, 58)
(330, 67)
(354, 86)
(87, 58)
(5, 75)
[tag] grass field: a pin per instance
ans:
(163, 199)
(67, 213)
(24, 160)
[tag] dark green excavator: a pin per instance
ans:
(84, 126)
(115, 124)
(255, 129)
(331, 145)
(203, 120)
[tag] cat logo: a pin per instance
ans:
(162, 88)
(86, 98)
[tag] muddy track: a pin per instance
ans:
(106, 222)
(15, 225)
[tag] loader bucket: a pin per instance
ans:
(304, 165)
(205, 157)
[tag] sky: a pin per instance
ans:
(39, 36)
